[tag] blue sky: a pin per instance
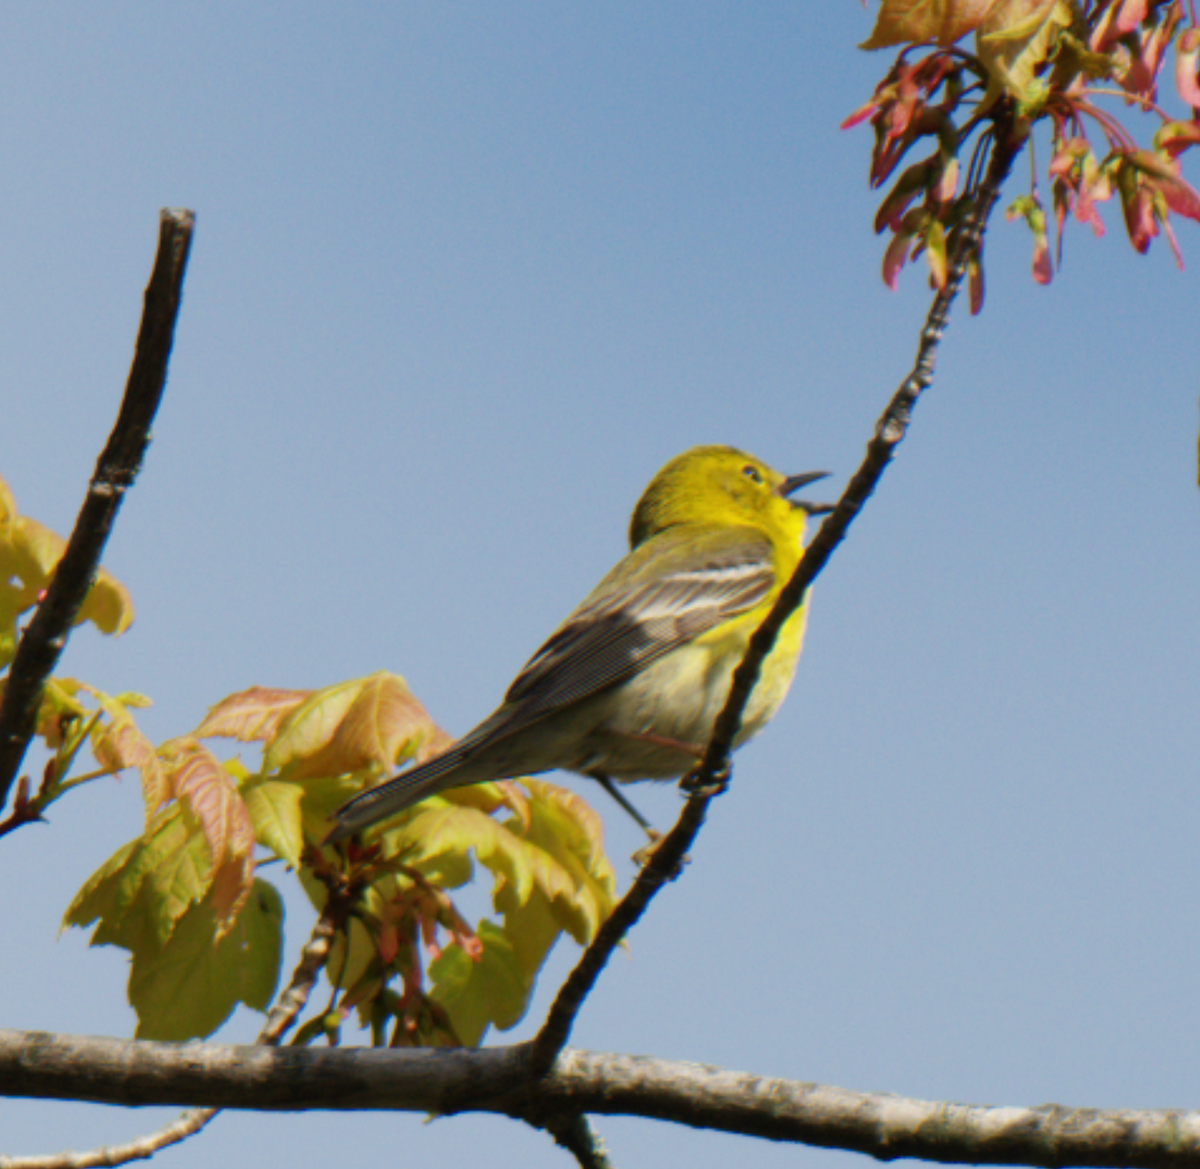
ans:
(464, 277)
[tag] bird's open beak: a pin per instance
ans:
(793, 483)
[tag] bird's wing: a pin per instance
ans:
(406, 789)
(667, 592)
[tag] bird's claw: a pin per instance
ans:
(641, 858)
(645, 854)
(695, 783)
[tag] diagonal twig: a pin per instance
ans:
(45, 637)
(709, 778)
(178, 1130)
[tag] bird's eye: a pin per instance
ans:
(752, 472)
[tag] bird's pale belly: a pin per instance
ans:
(661, 725)
(655, 725)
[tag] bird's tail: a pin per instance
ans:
(397, 794)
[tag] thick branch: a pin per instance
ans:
(113, 1071)
(45, 636)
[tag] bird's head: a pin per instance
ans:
(722, 485)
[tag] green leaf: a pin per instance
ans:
(1015, 40)
(119, 743)
(550, 874)
(532, 929)
(190, 986)
(549, 865)
(439, 831)
(8, 507)
(134, 931)
(108, 605)
(274, 808)
(14, 600)
(476, 995)
(177, 870)
(262, 947)
(98, 896)
(8, 629)
(165, 840)
(143, 889)
(309, 727)
(36, 550)
(913, 21)
(323, 795)
(570, 835)
(206, 789)
(348, 966)
(448, 870)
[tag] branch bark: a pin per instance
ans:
(576, 1135)
(45, 637)
(493, 1080)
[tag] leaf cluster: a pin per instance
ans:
(186, 899)
(29, 555)
(205, 932)
(1041, 61)
(29, 552)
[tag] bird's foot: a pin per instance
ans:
(696, 783)
(645, 854)
(641, 858)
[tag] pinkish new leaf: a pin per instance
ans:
(894, 259)
(1187, 62)
(1173, 138)
(1163, 175)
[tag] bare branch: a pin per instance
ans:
(578, 1137)
(313, 958)
(708, 780)
(45, 637)
(889, 433)
(113, 1071)
(178, 1130)
(663, 866)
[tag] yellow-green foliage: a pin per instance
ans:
(205, 932)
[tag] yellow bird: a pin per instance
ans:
(629, 685)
